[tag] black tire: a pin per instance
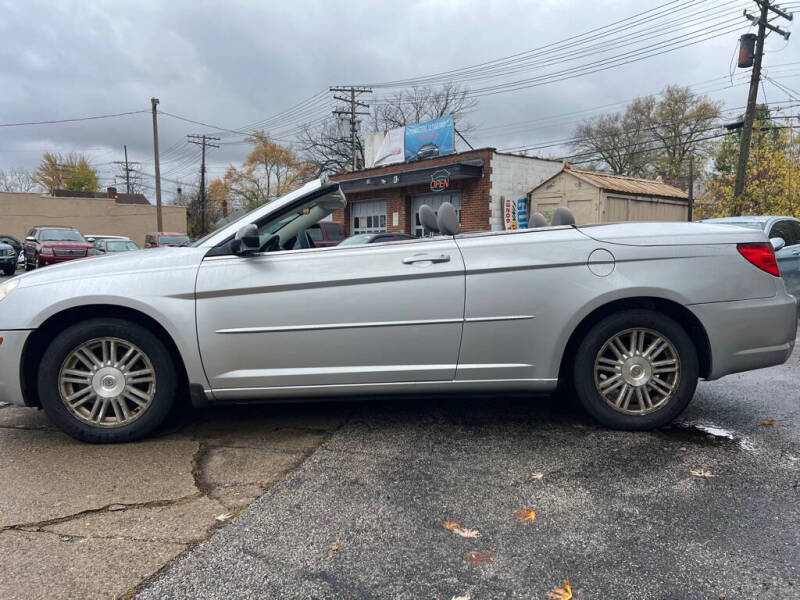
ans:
(583, 375)
(72, 337)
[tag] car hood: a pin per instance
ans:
(110, 265)
(670, 234)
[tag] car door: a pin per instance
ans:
(788, 257)
(331, 316)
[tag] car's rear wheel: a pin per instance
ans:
(636, 369)
(107, 380)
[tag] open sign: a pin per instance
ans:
(440, 180)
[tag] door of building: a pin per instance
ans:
(434, 201)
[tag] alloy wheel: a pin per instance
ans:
(637, 371)
(107, 382)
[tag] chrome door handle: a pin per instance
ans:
(431, 258)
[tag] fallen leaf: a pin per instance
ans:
(224, 516)
(562, 593)
(702, 473)
(464, 597)
(456, 528)
(525, 514)
(537, 475)
(466, 533)
(768, 421)
(336, 545)
(478, 558)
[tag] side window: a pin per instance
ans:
(782, 230)
(315, 233)
(334, 231)
(793, 229)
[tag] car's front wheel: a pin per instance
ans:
(107, 380)
(636, 369)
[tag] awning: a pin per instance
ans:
(438, 177)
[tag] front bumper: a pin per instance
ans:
(10, 362)
(8, 262)
(749, 334)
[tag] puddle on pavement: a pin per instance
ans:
(705, 435)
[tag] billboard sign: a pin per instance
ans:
(392, 149)
(429, 139)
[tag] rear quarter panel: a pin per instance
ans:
(544, 274)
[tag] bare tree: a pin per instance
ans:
(619, 141)
(18, 180)
(424, 103)
(327, 146)
(652, 137)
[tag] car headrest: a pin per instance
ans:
(538, 220)
(447, 219)
(562, 216)
(428, 218)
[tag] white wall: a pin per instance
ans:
(513, 177)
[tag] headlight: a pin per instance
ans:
(7, 287)
(46, 250)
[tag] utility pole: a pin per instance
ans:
(350, 114)
(203, 141)
(127, 169)
(755, 78)
(159, 217)
(691, 188)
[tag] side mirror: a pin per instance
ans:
(90, 240)
(30, 238)
(777, 243)
(246, 241)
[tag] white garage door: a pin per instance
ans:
(368, 216)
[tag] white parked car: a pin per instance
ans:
(628, 315)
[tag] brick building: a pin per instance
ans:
(476, 182)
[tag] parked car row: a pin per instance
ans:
(49, 244)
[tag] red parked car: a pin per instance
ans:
(158, 239)
(46, 245)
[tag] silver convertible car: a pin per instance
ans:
(627, 317)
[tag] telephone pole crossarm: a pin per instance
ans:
(351, 114)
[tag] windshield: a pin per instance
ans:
(362, 238)
(61, 235)
(173, 239)
(120, 246)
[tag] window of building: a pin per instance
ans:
(368, 217)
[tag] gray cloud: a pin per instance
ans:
(232, 63)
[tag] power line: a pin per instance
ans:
(53, 122)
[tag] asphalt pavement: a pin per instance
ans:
(506, 497)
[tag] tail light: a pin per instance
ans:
(760, 254)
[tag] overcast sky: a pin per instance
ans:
(231, 64)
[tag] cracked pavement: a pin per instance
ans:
(92, 521)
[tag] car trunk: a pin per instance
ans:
(670, 234)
